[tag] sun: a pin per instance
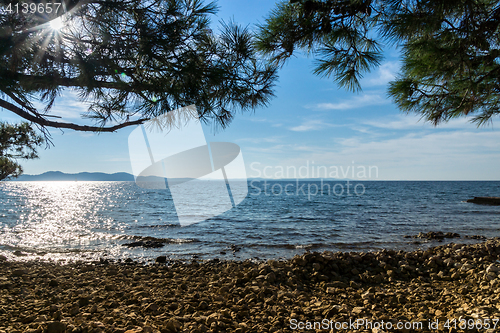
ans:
(56, 24)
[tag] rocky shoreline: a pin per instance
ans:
(452, 285)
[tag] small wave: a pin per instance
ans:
(481, 212)
(167, 225)
(363, 245)
(289, 246)
(299, 218)
(43, 251)
(159, 240)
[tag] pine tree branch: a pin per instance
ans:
(48, 123)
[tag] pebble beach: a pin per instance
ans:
(448, 288)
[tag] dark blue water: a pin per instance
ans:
(278, 219)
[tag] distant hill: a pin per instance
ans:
(82, 176)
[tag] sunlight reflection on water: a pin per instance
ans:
(55, 214)
(90, 220)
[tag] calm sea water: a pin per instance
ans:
(278, 219)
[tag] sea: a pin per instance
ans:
(94, 221)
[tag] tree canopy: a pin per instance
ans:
(128, 61)
(450, 49)
(16, 142)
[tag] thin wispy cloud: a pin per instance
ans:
(285, 149)
(354, 103)
(311, 125)
(404, 122)
(67, 106)
(272, 139)
(276, 149)
(258, 120)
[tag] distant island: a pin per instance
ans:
(81, 176)
(92, 176)
(127, 177)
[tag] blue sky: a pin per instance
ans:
(309, 123)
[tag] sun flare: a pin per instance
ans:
(56, 24)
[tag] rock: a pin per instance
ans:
(109, 287)
(98, 325)
(173, 325)
(367, 295)
(439, 235)
(337, 284)
(3, 258)
(479, 237)
(19, 253)
(19, 272)
(56, 327)
(74, 311)
(271, 277)
(161, 259)
(331, 290)
(145, 244)
(466, 267)
(357, 310)
(235, 248)
(492, 201)
(299, 261)
(493, 268)
(151, 308)
(83, 301)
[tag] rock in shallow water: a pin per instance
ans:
(492, 201)
(145, 244)
(161, 259)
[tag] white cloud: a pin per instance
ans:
(276, 149)
(384, 74)
(67, 106)
(272, 139)
(412, 121)
(438, 155)
(311, 125)
(257, 120)
(354, 103)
